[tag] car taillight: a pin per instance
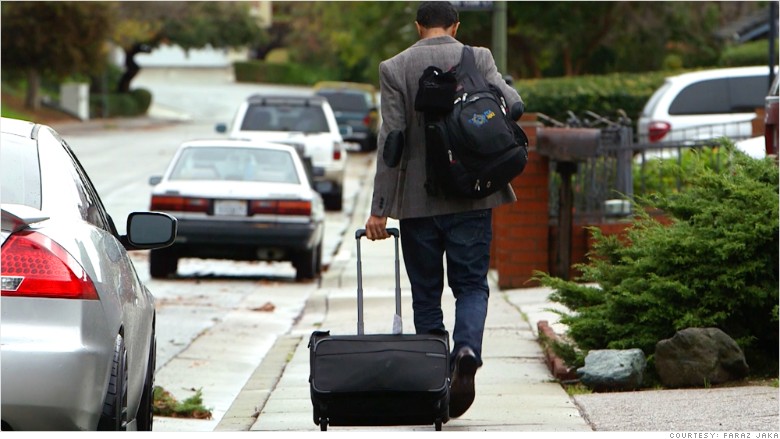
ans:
(367, 120)
(280, 207)
(35, 266)
(336, 151)
(179, 204)
(657, 130)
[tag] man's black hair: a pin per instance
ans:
(437, 14)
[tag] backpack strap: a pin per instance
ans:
(467, 70)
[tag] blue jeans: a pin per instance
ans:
(465, 240)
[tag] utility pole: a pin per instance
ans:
(772, 36)
(499, 35)
(498, 10)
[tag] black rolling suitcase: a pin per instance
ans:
(379, 379)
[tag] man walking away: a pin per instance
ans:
(435, 226)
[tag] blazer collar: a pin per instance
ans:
(435, 41)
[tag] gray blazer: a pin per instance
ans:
(400, 192)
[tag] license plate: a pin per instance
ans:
(230, 208)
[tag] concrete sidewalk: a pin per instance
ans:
(515, 389)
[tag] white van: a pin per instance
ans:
(704, 105)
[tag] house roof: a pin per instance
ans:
(749, 27)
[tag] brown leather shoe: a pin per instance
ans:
(462, 387)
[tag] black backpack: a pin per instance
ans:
(473, 146)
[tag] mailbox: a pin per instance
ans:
(567, 144)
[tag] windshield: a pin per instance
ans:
(346, 101)
(235, 164)
(302, 118)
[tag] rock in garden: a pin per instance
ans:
(612, 369)
(698, 357)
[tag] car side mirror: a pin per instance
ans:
(148, 230)
(155, 180)
(221, 128)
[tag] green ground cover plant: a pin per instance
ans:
(714, 265)
(165, 404)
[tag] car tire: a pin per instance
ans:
(369, 144)
(114, 415)
(306, 264)
(144, 419)
(163, 262)
(318, 259)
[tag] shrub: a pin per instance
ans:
(667, 175)
(135, 103)
(754, 53)
(142, 98)
(273, 73)
(714, 265)
(602, 94)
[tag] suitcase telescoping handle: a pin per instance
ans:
(397, 322)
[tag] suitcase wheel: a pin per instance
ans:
(323, 424)
(437, 425)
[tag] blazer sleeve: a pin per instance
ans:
(393, 118)
(487, 65)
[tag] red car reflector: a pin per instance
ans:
(336, 151)
(281, 207)
(263, 207)
(295, 208)
(179, 204)
(35, 266)
(657, 130)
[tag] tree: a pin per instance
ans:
(52, 39)
(142, 26)
(352, 37)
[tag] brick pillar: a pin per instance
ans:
(521, 229)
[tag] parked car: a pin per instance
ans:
(77, 332)
(356, 106)
(704, 105)
(771, 116)
(239, 200)
(307, 122)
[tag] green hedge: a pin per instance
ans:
(604, 95)
(272, 73)
(754, 53)
(135, 103)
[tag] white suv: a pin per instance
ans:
(306, 122)
(704, 105)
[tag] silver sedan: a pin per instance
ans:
(77, 333)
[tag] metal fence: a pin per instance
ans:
(624, 165)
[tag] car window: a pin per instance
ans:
(345, 101)
(21, 177)
(66, 186)
(721, 96)
(704, 97)
(748, 93)
(304, 118)
(235, 164)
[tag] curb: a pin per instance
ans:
(556, 364)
